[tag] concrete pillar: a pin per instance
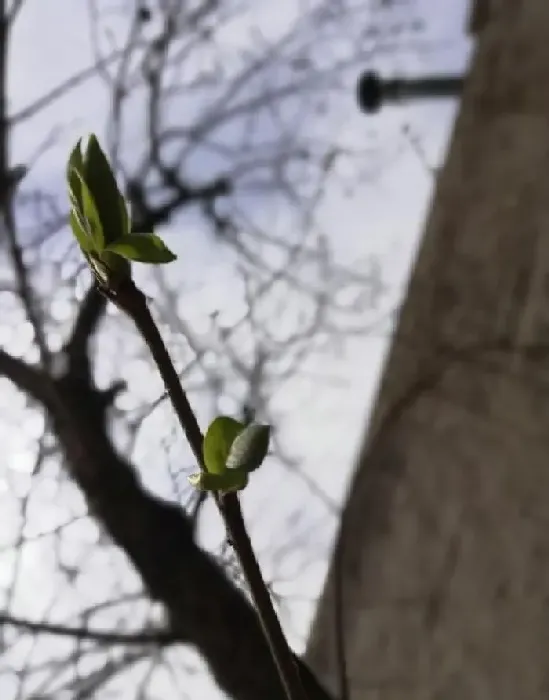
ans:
(442, 564)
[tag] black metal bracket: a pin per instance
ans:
(373, 92)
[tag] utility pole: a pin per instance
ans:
(439, 584)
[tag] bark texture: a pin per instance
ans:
(203, 606)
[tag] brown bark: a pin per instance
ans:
(203, 606)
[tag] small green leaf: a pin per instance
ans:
(90, 215)
(99, 269)
(109, 269)
(116, 263)
(75, 165)
(217, 443)
(142, 247)
(79, 230)
(85, 212)
(249, 448)
(102, 184)
(126, 219)
(229, 481)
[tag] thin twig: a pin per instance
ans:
(129, 299)
(133, 303)
(229, 507)
(160, 637)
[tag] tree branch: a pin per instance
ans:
(90, 313)
(129, 299)
(147, 217)
(29, 379)
(204, 607)
(60, 90)
(159, 637)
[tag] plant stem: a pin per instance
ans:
(229, 506)
(133, 303)
(129, 299)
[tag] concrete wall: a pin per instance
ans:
(444, 550)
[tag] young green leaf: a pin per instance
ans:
(109, 269)
(79, 230)
(217, 443)
(89, 215)
(75, 165)
(99, 269)
(142, 247)
(102, 184)
(249, 448)
(229, 481)
(125, 215)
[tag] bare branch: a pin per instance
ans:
(60, 90)
(154, 637)
(90, 313)
(23, 376)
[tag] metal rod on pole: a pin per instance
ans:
(373, 92)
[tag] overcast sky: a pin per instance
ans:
(383, 218)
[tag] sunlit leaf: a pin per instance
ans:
(249, 448)
(109, 269)
(99, 268)
(79, 230)
(217, 443)
(142, 247)
(125, 216)
(102, 184)
(90, 214)
(75, 165)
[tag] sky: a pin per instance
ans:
(321, 421)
